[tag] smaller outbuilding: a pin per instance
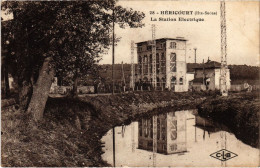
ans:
(207, 76)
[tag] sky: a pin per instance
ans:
(242, 20)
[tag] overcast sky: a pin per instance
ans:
(242, 30)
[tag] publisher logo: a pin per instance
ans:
(223, 155)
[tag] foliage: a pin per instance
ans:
(74, 34)
(244, 72)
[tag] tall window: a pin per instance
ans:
(158, 81)
(146, 128)
(163, 68)
(151, 58)
(140, 128)
(139, 48)
(145, 64)
(140, 68)
(163, 57)
(149, 48)
(173, 45)
(145, 59)
(140, 59)
(158, 128)
(151, 128)
(181, 81)
(173, 62)
(173, 80)
(163, 132)
(173, 57)
(157, 63)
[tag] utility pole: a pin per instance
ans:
(153, 43)
(195, 49)
(154, 139)
(123, 76)
(132, 83)
(223, 70)
(113, 52)
(113, 62)
(203, 73)
(154, 56)
(133, 137)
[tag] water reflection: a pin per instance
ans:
(179, 143)
(171, 133)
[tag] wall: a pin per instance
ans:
(217, 79)
(214, 76)
(189, 77)
(181, 67)
(209, 73)
(160, 50)
(198, 87)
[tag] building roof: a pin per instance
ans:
(164, 39)
(208, 65)
(199, 80)
(191, 66)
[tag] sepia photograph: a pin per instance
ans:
(130, 83)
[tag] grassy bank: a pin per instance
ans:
(70, 132)
(239, 112)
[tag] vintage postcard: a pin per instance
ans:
(130, 83)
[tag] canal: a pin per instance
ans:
(183, 139)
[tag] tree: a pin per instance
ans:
(8, 61)
(63, 37)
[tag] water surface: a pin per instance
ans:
(179, 143)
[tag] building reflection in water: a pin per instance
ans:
(182, 135)
(171, 133)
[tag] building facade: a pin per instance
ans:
(207, 76)
(171, 65)
(171, 133)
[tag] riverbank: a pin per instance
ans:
(70, 133)
(71, 130)
(239, 112)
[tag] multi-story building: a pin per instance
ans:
(171, 65)
(171, 133)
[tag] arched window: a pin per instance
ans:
(173, 45)
(173, 80)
